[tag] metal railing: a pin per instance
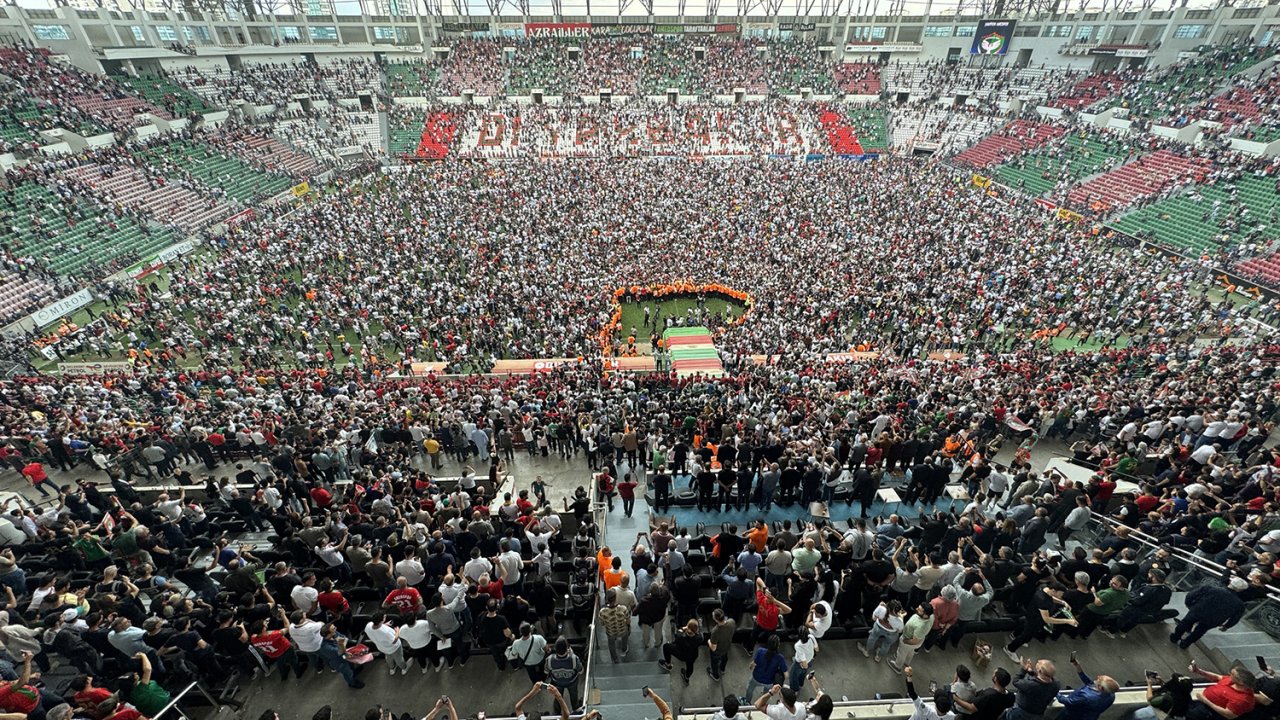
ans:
(1187, 569)
(1127, 698)
(173, 712)
(600, 511)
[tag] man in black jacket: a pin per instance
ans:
(1209, 606)
(1145, 604)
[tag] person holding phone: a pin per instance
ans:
(1090, 700)
(664, 710)
(1230, 696)
(445, 705)
(537, 689)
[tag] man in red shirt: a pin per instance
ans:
(34, 472)
(406, 599)
(20, 696)
(769, 612)
(1229, 697)
(276, 648)
(219, 443)
(627, 491)
(321, 497)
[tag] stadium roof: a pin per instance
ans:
(882, 9)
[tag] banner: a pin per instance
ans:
(51, 313)
(1065, 214)
(241, 217)
(147, 269)
(797, 27)
(557, 30)
(993, 37)
(620, 30)
(300, 189)
(93, 368)
(528, 367)
(696, 29)
(173, 252)
(981, 182)
(872, 47)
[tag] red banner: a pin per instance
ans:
(240, 217)
(557, 30)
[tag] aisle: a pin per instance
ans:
(620, 684)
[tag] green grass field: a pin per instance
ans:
(633, 315)
(1071, 343)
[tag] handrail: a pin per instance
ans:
(600, 510)
(1131, 694)
(174, 702)
(1154, 543)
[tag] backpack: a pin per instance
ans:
(564, 670)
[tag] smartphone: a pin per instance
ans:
(1262, 663)
(1073, 656)
(1151, 674)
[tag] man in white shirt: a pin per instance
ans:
(304, 596)
(806, 646)
(786, 707)
(477, 566)
(451, 589)
(820, 617)
(387, 640)
(939, 709)
(1153, 430)
(551, 523)
(170, 510)
(410, 568)
(1212, 431)
(1204, 454)
(1127, 433)
(510, 565)
(307, 635)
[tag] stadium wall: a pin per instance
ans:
(1065, 40)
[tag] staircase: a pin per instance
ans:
(384, 130)
(619, 684)
(1244, 642)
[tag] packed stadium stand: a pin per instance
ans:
(332, 340)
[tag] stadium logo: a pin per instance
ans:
(992, 44)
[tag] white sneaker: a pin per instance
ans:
(1012, 655)
(404, 670)
(424, 669)
(391, 670)
(863, 648)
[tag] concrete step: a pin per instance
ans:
(635, 677)
(632, 675)
(1237, 636)
(633, 711)
(614, 698)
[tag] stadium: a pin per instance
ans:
(713, 360)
